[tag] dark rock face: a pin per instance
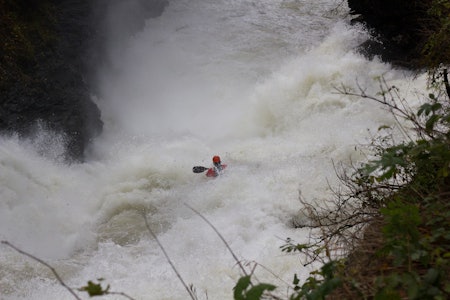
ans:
(397, 27)
(48, 56)
(42, 71)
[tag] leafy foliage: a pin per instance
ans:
(320, 284)
(416, 228)
(403, 193)
(245, 290)
(436, 29)
(95, 289)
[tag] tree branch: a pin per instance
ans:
(45, 264)
(190, 292)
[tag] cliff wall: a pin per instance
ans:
(398, 27)
(43, 71)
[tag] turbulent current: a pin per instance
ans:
(251, 81)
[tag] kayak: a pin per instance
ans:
(212, 173)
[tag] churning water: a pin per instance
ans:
(251, 81)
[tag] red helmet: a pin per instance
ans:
(216, 159)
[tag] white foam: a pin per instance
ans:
(252, 82)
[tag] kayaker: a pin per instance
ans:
(217, 167)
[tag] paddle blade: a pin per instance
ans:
(199, 169)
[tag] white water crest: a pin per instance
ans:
(251, 81)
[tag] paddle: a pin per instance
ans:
(199, 169)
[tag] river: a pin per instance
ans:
(251, 81)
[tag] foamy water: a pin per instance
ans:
(250, 81)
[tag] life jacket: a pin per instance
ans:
(215, 171)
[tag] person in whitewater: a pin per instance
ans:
(217, 168)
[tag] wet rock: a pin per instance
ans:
(396, 27)
(42, 71)
(50, 51)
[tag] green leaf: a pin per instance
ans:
(239, 290)
(256, 292)
(425, 109)
(429, 108)
(413, 291)
(447, 288)
(384, 127)
(387, 294)
(432, 276)
(94, 289)
(429, 125)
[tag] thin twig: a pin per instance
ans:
(45, 264)
(231, 251)
(273, 274)
(221, 237)
(191, 294)
(120, 294)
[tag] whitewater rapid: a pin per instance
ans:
(251, 81)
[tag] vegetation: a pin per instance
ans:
(393, 217)
(436, 33)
